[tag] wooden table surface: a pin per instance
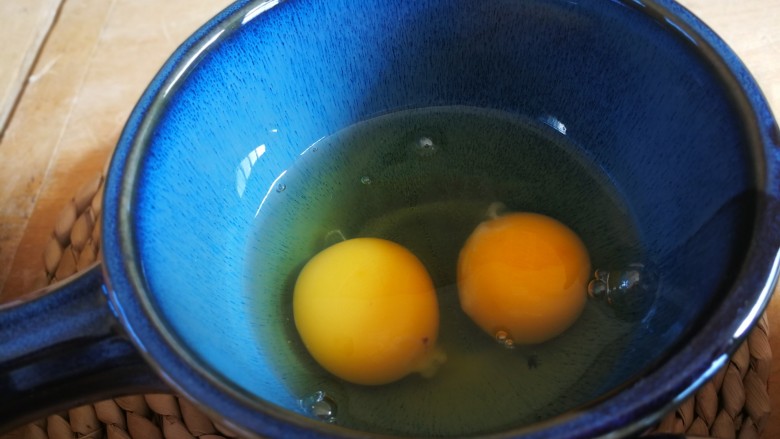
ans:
(71, 71)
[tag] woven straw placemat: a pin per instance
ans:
(734, 404)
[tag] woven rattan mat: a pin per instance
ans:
(735, 404)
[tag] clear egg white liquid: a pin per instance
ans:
(426, 178)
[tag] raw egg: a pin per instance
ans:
(366, 310)
(523, 275)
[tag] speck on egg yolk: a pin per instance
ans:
(366, 310)
(525, 274)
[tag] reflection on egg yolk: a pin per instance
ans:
(524, 274)
(367, 311)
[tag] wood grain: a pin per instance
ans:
(22, 39)
(34, 135)
(95, 61)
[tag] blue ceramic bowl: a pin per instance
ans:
(653, 95)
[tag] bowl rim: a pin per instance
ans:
(633, 409)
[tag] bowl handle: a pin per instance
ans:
(64, 347)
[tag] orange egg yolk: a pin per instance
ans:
(366, 310)
(523, 275)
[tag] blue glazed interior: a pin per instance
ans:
(631, 91)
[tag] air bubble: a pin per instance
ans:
(365, 180)
(630, 291)
(597, 289)
(281, 187)
(425, 147)
(503, 338)
(320, 406)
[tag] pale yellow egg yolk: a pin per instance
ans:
(366, 310)
(523, 275)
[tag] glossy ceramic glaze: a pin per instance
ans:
(650, 93)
